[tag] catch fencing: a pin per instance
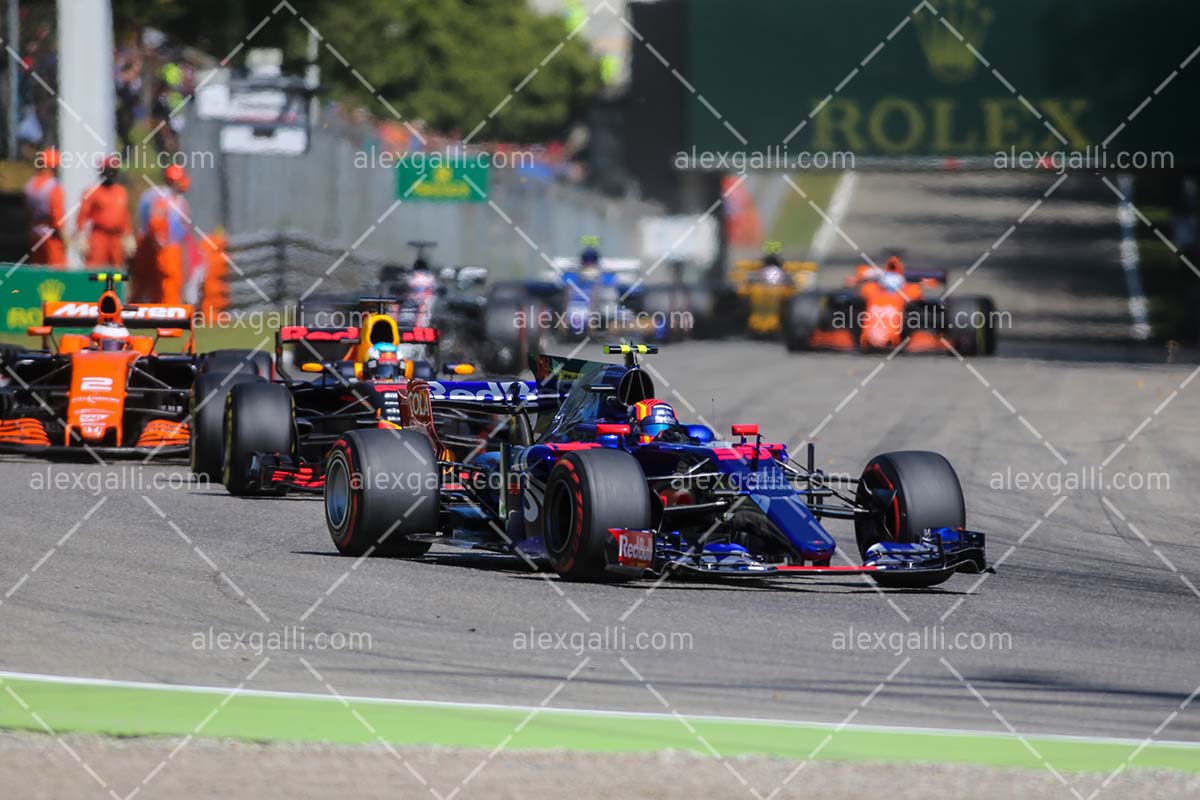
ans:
(323, 218)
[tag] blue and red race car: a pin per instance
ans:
(604, 491)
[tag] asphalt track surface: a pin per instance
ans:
(118, 576)
(1093, 616)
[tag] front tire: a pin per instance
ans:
(589, 492)
(258, 419)
(926, 494)
(380, 487)
(206, 445)
(912, 490)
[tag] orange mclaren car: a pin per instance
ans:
(105, 391)
(882, 308)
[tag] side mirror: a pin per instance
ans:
(39, 330)
(458, 369)
(312, 366)
(169, 333)
(745, 430)
(609, 429)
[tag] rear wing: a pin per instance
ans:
(67, 314)
(936, 276)
(623, 267)
(420, 335)
(292, 334)
(313, 344)
(802, 273)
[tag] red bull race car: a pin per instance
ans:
(268, 437)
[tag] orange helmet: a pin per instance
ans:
(177, 177)
(49, 158)
(650, 418)
(110, 165)
(894, 264)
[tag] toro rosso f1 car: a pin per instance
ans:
(105, 393)
(880, 308)
(604, 496)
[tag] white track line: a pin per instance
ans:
(586, 712)
(839, 204)
(1130, 260)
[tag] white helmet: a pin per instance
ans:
(110, 336)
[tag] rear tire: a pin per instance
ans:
(255, 362)
(365, 509)
(589, 492)
(10, 352)
(206, 445)
(927, 495)
(258, 419)
(505, 340)
(969, 325)
(672, 307)
(802, 319)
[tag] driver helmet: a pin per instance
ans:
(383, 361)
(650, 418)
(110, 336)
(893, 274)
(772, 275)
(109, 168)
(589, 263)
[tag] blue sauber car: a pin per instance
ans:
(576, 482)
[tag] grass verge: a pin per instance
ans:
(154, 710)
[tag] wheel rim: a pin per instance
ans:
(337, 494)
(887, 521)
(560, 517)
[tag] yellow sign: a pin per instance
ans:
(949, 36)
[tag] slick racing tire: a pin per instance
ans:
(969, 325)
(380, 487)
(512, 330)
(206, 444)
(258, 419)
(506, 342)
(801, 319)
(10, 353)
(669, 308)
(255, 362)
(912, 490)
(589, 492)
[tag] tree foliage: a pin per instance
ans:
(448, 63)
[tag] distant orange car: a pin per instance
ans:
(882, 307)
(103, 393)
